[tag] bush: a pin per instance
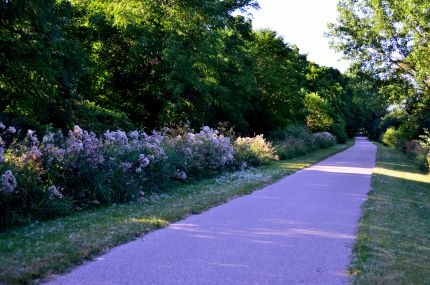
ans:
(390, 137)
(338, 130)
(25, 192)
(423, 152)
(410, 147)
(423, 159)
(291, 147)
(296, 140)
(324, 139)
(201, 154)
(46, 178)
(418, 149)
(292, 141)
(253, 151)
(296, 131)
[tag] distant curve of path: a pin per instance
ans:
(299, 230)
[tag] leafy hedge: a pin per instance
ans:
(296, 140)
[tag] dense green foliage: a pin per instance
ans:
(388, 41)
(296, 140)
(123, 64)
(41, 67)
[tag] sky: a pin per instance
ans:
(302, 23)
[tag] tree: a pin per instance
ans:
(330, 85)
(169, 61)
(366, 102)
(121, 64)
(391, 40)
(317, 109)
(280, 75)
(40, 65)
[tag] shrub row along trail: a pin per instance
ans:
(299, 230)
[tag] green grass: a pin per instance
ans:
(393, 245)
(35, 251)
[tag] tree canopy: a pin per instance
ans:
(390, 40)
(150, 63)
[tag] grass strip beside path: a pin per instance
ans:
(40, 249)
(393, 245)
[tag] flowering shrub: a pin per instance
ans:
(324, 139)
(201, 154)
(253, 151)
(41, 179)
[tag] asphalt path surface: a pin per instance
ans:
(299, 230)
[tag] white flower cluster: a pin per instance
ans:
(54, 192)
(8, 182)
(201, 153)
(325, 135)
(253, 151)
(10, 129)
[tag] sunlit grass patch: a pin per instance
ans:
(419, 177)
(34, 251)
(393, 245)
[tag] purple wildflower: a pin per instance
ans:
(134, 135)
(8, 182)
(126, 166)
(2, 158)
(48, 138)
(143, 160)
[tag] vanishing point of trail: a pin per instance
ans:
(299, 230)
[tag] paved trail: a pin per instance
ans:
(299, 230)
